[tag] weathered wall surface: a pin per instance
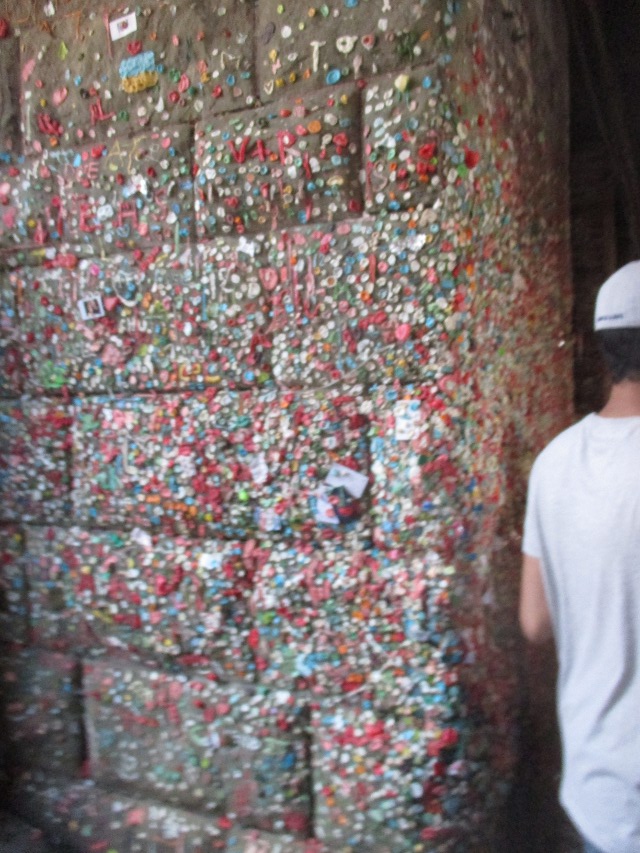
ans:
(284, 306)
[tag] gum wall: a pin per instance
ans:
(283, 320)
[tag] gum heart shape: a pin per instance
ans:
(110, 302)
(60, 95)
(368, 41)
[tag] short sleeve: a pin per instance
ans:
(532, 538)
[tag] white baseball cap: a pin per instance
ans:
(618, 302)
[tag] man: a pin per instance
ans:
(581, 584)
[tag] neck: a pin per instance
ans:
(624, 400)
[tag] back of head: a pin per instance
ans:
(617, 323)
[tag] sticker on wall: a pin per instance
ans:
(296, 163)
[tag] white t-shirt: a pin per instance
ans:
(583, 523)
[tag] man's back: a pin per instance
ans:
(583, 525)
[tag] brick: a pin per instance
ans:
(234, 308)
(271, 166)
(423, 476)
(354, 300)
(18, 837)
(10, 135)
(110, 323)
(32, 215)
(56, 589)
(190, 742)
(336, 621)
(252, 841)
(173, 598)
(34, 461)
(409, 167)
(219, 463)
(84, 816)
(41, 711)
(219, 59)
(151, 205)
(377, 785)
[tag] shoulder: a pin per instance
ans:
(559, 450)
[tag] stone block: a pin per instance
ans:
(222, 463)
(34, 461)
(317, 614)
(56, 589)
(117, 322)
(164, 463)
(128, 194)
(97, 73)
(41, 713)
(274, 166)
(322, 489)
(300, 48)
(13, 591)
(336, 621)
(174, 598)
(221, 748)
(83, 816)
(252, 841)
(32, 212)
(16, 836)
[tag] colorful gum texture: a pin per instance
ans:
(194, 743)
(302, 48)
(177, 63)
(279, 166)
(35, 475)
(219, 463)
(168, 598)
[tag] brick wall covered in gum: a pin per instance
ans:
(284, 310)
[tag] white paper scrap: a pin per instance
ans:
(324, 511)
(341, 476)
(122, 27)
